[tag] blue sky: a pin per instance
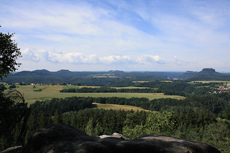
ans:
(132, 35)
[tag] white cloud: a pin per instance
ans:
(59, 57)
(80, 58)
(120, 32)
(116, 59)
(177, 61)
(27, 54)
(146, 59)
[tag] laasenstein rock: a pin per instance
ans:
(63, 138)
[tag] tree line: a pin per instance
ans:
(201, 126)
(216, 103)
(105, 89)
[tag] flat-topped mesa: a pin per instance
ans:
(208, 70)
(64, 138)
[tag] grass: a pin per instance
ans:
(106, 76)
(17, 86)
(140, 81)
(49, 92)
(130, 87)
(89, 86)
(203, 86)
(77, 87)
(72, 86)
(118, 107)
(167, 81)
(228, 82)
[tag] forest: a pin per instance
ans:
(202, 117)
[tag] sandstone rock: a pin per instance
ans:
(114, 135)
(63, 138)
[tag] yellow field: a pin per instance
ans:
(49, 92)
(118, 107)
(140, 81)
(228, 82)
(89, 86)
(166, 81)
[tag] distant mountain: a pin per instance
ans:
(87, 78)
(188, 74)
(105, 78)
(208, 74)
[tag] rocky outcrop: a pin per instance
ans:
(63, 138)
(208, 70)
(114, 135)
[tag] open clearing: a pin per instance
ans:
(106, 76)
(130, 87)
(118, 107)
(49, 92)
(140, 81)
(225, 82)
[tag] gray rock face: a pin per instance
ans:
(67, 139)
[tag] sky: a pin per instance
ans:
(128, 35)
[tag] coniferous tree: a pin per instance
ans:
(57, 117)
(89, 128)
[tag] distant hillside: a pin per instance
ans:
(188, 74)
(208, 74)
(106, 78)
(87, 78)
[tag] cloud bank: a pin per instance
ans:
(121, 32)
(80, 58)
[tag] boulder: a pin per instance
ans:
(114, 135)
(63, 138)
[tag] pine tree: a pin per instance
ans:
(57, 117)
(89, 128)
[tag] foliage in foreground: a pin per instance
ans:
(195, 126)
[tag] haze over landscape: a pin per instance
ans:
(126, 35)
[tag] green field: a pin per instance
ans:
(89, 86)
(50, 91)
(225, 82)
(105, 76)
(130, 87)
(77, 87)
(167, 81)
(118, 107)
(140, 81)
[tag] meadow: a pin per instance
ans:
(225, 82)
(52, 91)
(119, 107)
(130, 87)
